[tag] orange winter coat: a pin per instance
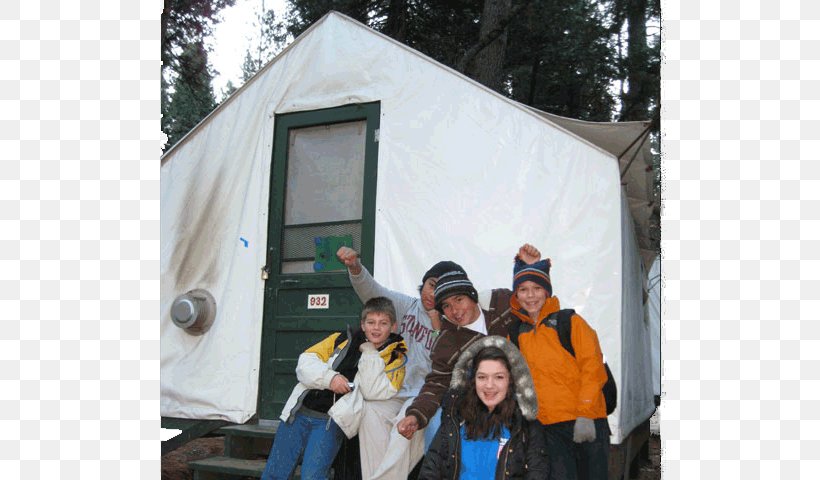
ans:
(567, 387)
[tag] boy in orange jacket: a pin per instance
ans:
(571, 406)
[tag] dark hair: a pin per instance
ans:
(479, 422)
(380, 305)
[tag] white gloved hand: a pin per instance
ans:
(584, 430)
(367, 347)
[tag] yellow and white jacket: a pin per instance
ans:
(378, 377)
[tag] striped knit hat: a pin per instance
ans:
(538, 272)
(439, 268)
(454, 282)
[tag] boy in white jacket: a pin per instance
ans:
(384, 453)
(335, 377)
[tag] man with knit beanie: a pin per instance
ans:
(457, 301)
(571, 406)
(419, 324)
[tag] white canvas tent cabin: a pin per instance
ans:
(348, 135)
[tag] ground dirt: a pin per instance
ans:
(650, 469)
(175, 463)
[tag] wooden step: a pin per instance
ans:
(250, 430)
(249, 441)
(225, 467)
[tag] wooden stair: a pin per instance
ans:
(246, 450)
(226, 467)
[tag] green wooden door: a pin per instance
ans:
(323, 194)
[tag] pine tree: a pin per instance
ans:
(560, 59)
(484, 61)
(272, 36)
(185, 25)
(229, 89)
(249, 66)
(640, 68)
(270, 39)
(193, 96)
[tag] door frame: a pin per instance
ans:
(267, 407)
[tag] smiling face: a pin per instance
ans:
(492, 381)
(531, 297)
(428, 293)
(460, 310)
(377, 328)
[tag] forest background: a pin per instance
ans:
(596, 60)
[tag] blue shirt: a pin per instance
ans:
(479, 457)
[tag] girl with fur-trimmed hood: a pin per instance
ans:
(488, 428)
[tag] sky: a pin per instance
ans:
(232, 37)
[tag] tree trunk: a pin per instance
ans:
(165, 47)
(533, 80)
(486, 66)
(635, 105)
(396, 26)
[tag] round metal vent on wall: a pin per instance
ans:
(194, 311)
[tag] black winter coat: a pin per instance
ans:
(523, 457)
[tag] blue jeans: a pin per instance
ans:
(319, 440)
(431, 429)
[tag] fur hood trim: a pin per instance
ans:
(524, 389)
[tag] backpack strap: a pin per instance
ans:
(563, 325)
(517, 328)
